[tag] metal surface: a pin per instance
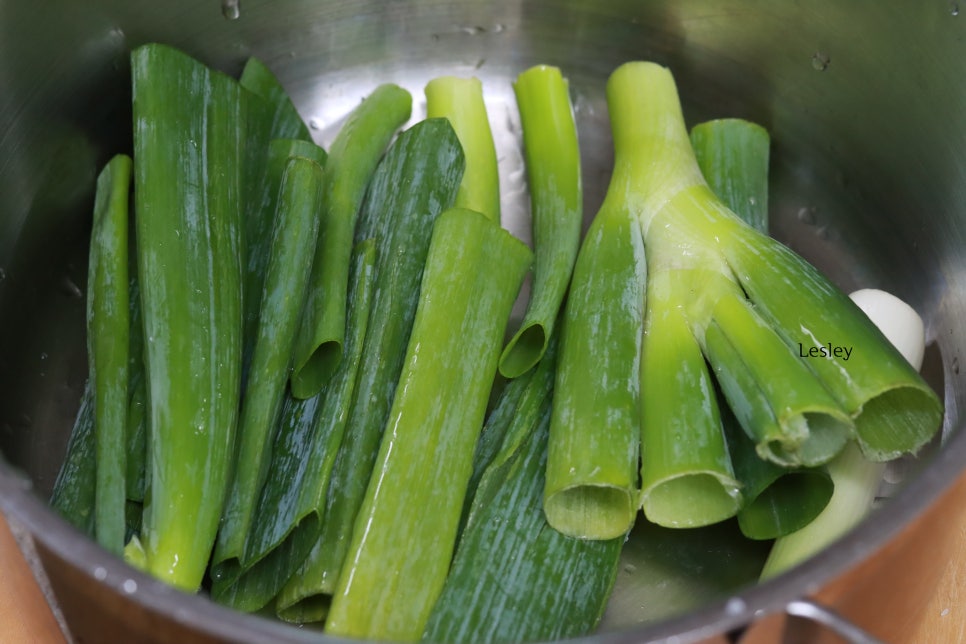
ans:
(864, 101)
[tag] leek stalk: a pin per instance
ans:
(856, 479)
(188, 140)
(556, 208)
(514, 579)
(353, 157)
(460, 100)
(418, 177)
(288, 516)
(733, 156)
(405, 532)
(286, 279)
(699, 254)
(108, 346)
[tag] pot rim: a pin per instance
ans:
(23, 506)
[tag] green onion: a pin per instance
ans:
(419, 175)
(288, 517)
(461, 101)
(405, 532)
(556, 203)
(108, 346)
(137, 423)
(353, 157)
(514, 579)
(733, 157)
(856, 479)
(286, 279)
(699, 251)
(188, 139)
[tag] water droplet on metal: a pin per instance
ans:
(70, 288)
(43, 355)
(129, 586)
(954, 8)
(954, 365)
(806, 215)
(474, 30)
(820, 61)
(315, 124)
(100, 573)
(498, 27)
(3, 274)
(735, 606)
(231, 9)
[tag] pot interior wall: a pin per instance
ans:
(863, 101)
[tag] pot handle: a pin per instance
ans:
(815, 612)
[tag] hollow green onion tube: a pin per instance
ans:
(514, 579)
(266, 158)
(777, 500)
(353, 157)
(733, 155)
(556, 204)
(270, 120)
(461, 101)
(592, 462)
(416, 180)
(188, 139)
(856, 479)
(288, 517)
(293, 245)
(405, 532)
(688, 230)
(687, 478)
(108, 346)
(137, 423)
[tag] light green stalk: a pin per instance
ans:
(405, 533)
(108, 332)
(556, 208)
(699, 251)
(352, 160)
(461, 101)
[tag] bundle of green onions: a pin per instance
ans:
(291, 373)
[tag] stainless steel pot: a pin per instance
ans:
(864, 99)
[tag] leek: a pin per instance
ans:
(286, 279)
(856, 479)
(417, 178)
(556, 208)
(287, 519)
(188, 141)
(460, 100)
(733, 156)
(108, 344)
(591, 487)
(707, 267)
(405, 532)
(514, 579)
(353, 157)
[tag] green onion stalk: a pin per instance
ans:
(556, 208)
(801, 366)
(733, 155)
(856, 479)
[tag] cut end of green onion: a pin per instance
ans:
(596, 512)
(906, 416)
(822, 435)
(524, 350)
(692, 500)
(786, 505)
